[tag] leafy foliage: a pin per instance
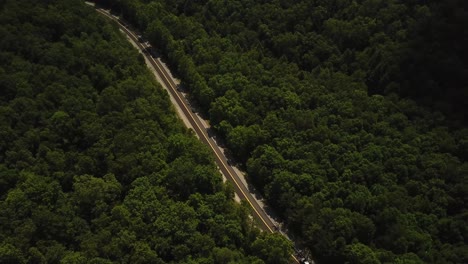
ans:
(95, 167)
(314, 98)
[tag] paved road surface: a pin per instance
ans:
(168, 83)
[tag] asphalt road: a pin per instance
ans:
(257, 211)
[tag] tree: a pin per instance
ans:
(243, 140)
(273, 248)
(11, 254)
(260, 166)
(95, 196)
(360, 253)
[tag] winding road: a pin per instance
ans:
(264, 221)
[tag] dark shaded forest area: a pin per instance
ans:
(95, 167)
(347, 115)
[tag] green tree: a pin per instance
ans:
(11, 254)
(273, 248)
(360, 253)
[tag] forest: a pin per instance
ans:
(95, 166)
(349, 116)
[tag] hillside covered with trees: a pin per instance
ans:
(95, 167)
(347, 115)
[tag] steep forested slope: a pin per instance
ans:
(94, 165)
(311, 97)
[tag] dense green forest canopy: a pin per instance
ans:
(95, 167)
(345, 114)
